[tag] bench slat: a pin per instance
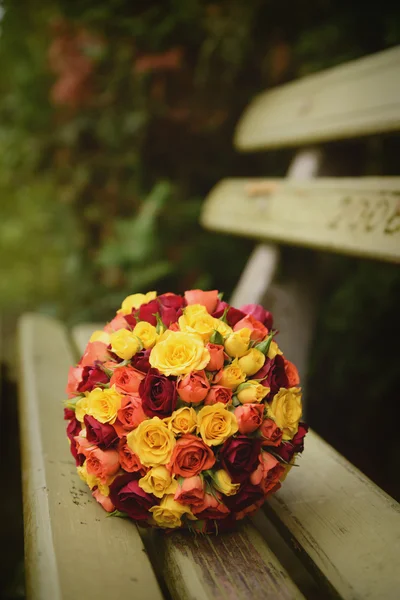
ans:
(353, 216)
(206, 567)
(358, 98)
(66, 551)
(343, 524)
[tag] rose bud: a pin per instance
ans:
(158, 394)
(193, 387)
(207, 299)
(251, 391)
(258, 330)
(216, 357)
(249, 417)
(237, 343)
(252, 361)
(211, 508)
(232, 376)
(223, 483)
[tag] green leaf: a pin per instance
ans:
(264, 346)
(118, 513)
(217, 338)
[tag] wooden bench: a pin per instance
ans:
(344, 529)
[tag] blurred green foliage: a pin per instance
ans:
(116, 118)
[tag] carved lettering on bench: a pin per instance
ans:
(360, 213)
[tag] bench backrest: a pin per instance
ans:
(356, 216)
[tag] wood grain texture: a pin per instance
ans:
(71, 549)
(358, 98)
(206, 567)
(353, 216)
(344, 526)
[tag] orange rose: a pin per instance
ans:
(249, 417)
(268, 473)
(102, 463)
(126, 380)
(211, 508)
(94, 351)
(216, 357)
(207, 299)
(103, 500)
(117, 323)
(190, 456)
(193, 387)
(271, 433)
(74, 379)
(190, 491)
(291, 373)
(258, 330)
(130, 415)
(219, 393)
(130, 462)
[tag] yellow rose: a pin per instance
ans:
(125, 343)
(152, 441)
(223, 483)
(216, 424)
(100, 336)
(169, 513)
(183, 420)
(232, 376)
(158, 481)
(287, 469)
(196, 319)
(81, 408)
(146, 333)
(237, 343)
(285, 409)
(178, 353)
(135, 301)
(252, 391)
(103, 404)
(273, 350)
(252, 361)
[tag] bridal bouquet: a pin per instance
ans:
(184, 412)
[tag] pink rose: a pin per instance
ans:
(249, 417)
(207, 299)
(268, 473)
(83, 446)
(74, 379)
(102, 463)
(130, 415)
(126, 380)
(219, 393)
(190, 491)
(211, 508)
(258, 312)
(130, 462)
(216, 357)
(118, 322)
(193, 387)
(94, 351)
(258, 331)
(103, 500)
(271, 433)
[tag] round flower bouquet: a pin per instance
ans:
(183, 411)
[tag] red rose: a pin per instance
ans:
(171, 307)
(102, 435)
(258, 312)
(158, 394)
(247, 496)
(147, 312)
(232, 316)
(128, 497)
(141, 360)
(273, 375)
(69, 414)
(288, 449)
(73, 429)
(239, 456)
(91, 378)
